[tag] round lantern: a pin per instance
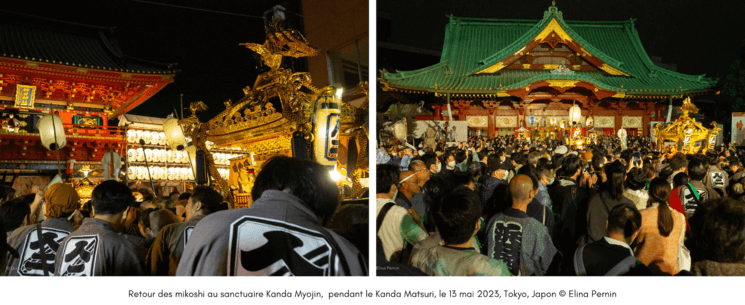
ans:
(575, 114)
(531, 119)
(52, 132)
(174, 135)
(399, 130)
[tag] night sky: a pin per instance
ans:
(214, 67)
(701, 37)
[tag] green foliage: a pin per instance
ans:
(733, 86)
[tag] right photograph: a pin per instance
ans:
(559, 139)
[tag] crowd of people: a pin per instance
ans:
(512, 207)
(295, 226)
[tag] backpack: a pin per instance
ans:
(622, 267)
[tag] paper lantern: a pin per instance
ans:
(575, 114)
(400, 130)
(326, 127)
(50, 126)
(132, 173)
(531, 119)
(174, 135)
(131, 136)
(161, 138)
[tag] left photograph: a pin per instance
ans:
(184, 138)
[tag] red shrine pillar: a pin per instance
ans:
(490, 130)
(438, 112)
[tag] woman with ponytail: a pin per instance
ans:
(662, 228)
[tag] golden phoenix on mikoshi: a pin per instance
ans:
(687, 132)
(283, 114)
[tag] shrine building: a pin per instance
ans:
(77, 71)
(502, 75)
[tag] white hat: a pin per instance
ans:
(561, 150)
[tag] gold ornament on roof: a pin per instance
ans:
(276, 113)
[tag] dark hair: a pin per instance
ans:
(677, 162)
(626, 155)
(457, 214)
(697, 169)
(659, 192)
(545, 171)
(209, 198)
(348, 215)
(543, 162)
(86, 209)
(719, 230)
(460, 178)
(111, 197)
(460, 156)
(307, 180)
(434, 190)
(429, 159)
(160, 218)
(184, 196)
(571, 164)
(615, 172)
(597, 161)
(626, 218)
(533, 158)
(387, 175)
(483, 154)
(143, 217)
(173, 193)
(712, 157)
(680, 179)
(13, 212)
(3, 194)
(636, 179)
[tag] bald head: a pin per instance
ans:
(409, 183)
(520, 187)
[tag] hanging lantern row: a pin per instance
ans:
(160, 173)
(150, 137)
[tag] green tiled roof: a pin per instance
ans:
(473, 44)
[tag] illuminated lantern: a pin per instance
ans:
(399, 130)
(174, 135)
(575, 114)
(52, 132)
(589, 122)
(531, 119)
(326, 126)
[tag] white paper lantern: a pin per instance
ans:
(140, 154)
(131, 136)
(399, 130)
(50, 126)
(132, 173)
(138, 136)
(575, 114)
(149, 155)
(147, 136)
(173, 133)
(161, 138)
(169, 156)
